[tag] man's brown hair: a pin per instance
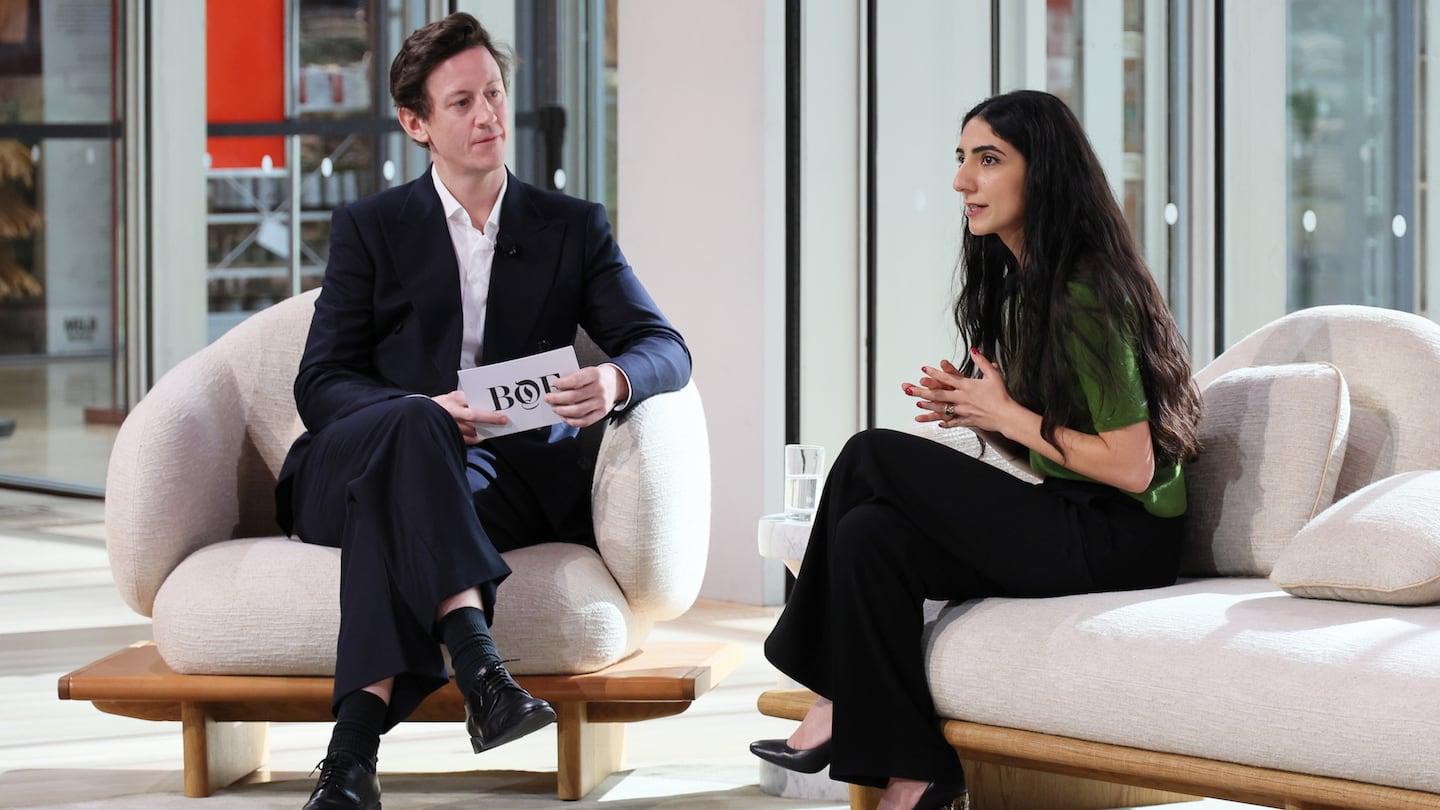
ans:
(425, 49)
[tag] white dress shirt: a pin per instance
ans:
(475, 253)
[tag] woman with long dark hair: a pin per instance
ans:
(1074, 358)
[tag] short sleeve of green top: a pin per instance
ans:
(1109, 378)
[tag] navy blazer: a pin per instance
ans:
(388, 320)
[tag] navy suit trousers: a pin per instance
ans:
(419, 516)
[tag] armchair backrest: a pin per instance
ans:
(195, 461)
(1391, 363)
(197, 458)
(263, 352)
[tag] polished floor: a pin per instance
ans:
(48, 401)
(59, 610)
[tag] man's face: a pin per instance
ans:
(466, 130)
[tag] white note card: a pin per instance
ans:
(517, 388)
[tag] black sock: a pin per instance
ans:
(358, 724)
(467, 636)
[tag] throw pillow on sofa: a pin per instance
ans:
(1381, 544)
(1272, 439)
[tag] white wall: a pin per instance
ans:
(701, 184)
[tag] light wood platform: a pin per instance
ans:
(225, 718)
(1010, 769)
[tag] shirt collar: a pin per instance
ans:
(454, 211)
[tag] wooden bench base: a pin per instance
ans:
(1010, 769)
(225, 718)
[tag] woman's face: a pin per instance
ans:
(991, 178)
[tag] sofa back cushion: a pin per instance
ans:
(1272, 441)
(1381, 544)
(1391, 364)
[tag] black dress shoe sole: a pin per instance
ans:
(534, 721)
(375, 806)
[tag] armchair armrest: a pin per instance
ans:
(171, 485)
(651, 501)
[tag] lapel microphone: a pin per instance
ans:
(506, 244)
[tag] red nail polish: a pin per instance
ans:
(974, 350)
(908, 390)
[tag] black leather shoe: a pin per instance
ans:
(804, 760)
(344, 784)
(942, 797)
(497, 710)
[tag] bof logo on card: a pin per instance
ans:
(517, 388)
(523, 393)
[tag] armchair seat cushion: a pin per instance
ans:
(270, 606)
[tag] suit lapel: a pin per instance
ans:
(424, 260)
(520, 280)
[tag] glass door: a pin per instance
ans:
(61, 152)
(563, 97)
(300, 122)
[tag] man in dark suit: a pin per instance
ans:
(464, 266)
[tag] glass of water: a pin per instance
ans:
(803, 463)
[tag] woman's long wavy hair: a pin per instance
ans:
(1073, 231)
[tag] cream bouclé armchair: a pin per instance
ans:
(193, 541)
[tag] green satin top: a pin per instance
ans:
(1109, 377)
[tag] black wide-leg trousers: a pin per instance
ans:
(419, 516)
(903, 519)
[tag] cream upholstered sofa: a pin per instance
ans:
(1320, 476)
(193, 542)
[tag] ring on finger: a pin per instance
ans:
(949, 411)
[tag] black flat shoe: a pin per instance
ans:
(943, 797)
(344, 784)
(498, 710)
(804, 760)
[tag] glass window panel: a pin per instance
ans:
(1135, 165)
(244, 72)
(1062, 51)
(1352, 167)
(336, 170)
(22, 275)
(322, 58)
(61, 352)
(336, 76)
(248, 241)
(60, 348)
